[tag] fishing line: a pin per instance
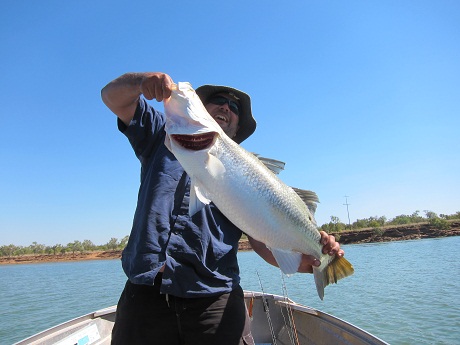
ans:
(290, 325)
(266, 309)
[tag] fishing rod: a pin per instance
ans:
(266, 309)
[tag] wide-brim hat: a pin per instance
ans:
(246, 121)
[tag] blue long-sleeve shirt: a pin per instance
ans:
(199, 252)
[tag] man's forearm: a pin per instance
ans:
(122, 95)
(262, 250)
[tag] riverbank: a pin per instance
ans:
(394, 233)
(397, 233)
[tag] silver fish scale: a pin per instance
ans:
(255, 200)
(245, 191)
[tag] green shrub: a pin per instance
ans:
(440, 224)
(378, 231)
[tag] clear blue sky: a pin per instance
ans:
(359, 98)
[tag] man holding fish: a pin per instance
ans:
(183, 276)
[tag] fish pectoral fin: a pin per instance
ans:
(197, 199)
(215, 167)
(287, 261)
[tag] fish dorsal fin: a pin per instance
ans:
(287, 261)
(275, 166)
(197, 198)
(309, 198)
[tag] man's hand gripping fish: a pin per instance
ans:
(244, 190)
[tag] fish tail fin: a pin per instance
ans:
(337, 269)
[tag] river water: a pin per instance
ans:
(403, 292)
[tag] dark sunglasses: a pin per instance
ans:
(221, 100)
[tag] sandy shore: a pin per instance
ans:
(42, 258)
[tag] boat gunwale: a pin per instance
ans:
(82, 321)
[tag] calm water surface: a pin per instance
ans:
(403, 292)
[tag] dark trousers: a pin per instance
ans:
(144, 316)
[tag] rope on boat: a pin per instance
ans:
(267, 310)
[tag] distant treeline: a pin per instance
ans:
(440, 222)
(335, 225)
(59, 249)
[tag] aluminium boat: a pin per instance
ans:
(275, 320)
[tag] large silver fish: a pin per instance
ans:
(250, 195)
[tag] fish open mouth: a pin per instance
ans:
(195, 142)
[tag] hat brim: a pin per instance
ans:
(246, 122)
